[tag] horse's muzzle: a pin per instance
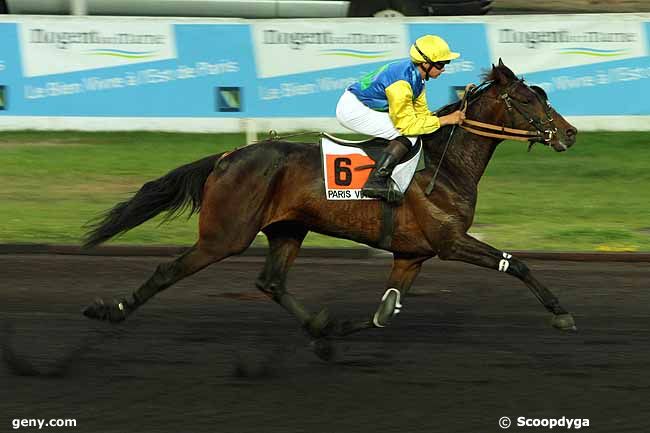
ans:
(561, 141)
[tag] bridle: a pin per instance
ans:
(545, 129)
(544, 132)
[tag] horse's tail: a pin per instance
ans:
(175, 192)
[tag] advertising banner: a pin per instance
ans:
(303, 72)
(319, 60)
(9, 64)
(125, 68)
(54, 47)
(533, 45)
(317, 46)
(588, 65)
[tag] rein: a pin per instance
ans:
(541, 134)
(506, 133)
(470, 88)
(273, 135)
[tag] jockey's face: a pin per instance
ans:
(433, 73)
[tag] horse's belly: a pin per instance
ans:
(366, 222)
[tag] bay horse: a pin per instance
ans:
(277, 187)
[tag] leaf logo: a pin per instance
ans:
(359, 54)
(593, 52)
(122, 53)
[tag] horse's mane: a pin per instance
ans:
(449, 108)
(490, 75)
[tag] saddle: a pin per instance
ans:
(347, 165)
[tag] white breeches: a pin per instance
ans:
(352, 114)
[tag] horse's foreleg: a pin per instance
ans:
(404, 272)
(470, 250)
(165, 275)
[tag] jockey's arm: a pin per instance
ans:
(403, 113)
(421, 105)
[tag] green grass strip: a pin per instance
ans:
(595, 197)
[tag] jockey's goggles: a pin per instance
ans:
(440, 65)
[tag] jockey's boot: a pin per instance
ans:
(378, 183)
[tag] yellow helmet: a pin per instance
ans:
(429, 49)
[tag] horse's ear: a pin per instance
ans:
(503, 74)
(499, 74)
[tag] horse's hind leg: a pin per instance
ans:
(226, 227)
(285, 239)
(470, 250)
(166, 274)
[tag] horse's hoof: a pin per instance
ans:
(324, 349)
(564, 322)
(114, 313)
(390, 306)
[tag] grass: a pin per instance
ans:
(594, 197)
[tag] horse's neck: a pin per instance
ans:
(472, 154)
(466, 159)
(469, 154)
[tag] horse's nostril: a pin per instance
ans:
(571, 132)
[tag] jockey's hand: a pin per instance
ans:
(455, 118)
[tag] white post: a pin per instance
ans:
(250, 127)
(78, 7)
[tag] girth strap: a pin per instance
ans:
(387, 225)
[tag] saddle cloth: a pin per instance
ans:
(347, 165)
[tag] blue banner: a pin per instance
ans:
(268, 69)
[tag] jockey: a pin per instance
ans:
(390, 103)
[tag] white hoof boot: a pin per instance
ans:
(389, 307)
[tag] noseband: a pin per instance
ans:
(545, 129)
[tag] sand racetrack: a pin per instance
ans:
(212, 354)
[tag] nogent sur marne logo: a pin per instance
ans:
(298, 40)
(534, 39)
(66, 39)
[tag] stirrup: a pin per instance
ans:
(389, 194)
(394, 195)
(389, 307)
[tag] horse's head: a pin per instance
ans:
(527, 108)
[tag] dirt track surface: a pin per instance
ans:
(210, 354)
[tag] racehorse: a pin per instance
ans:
(277, 187)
